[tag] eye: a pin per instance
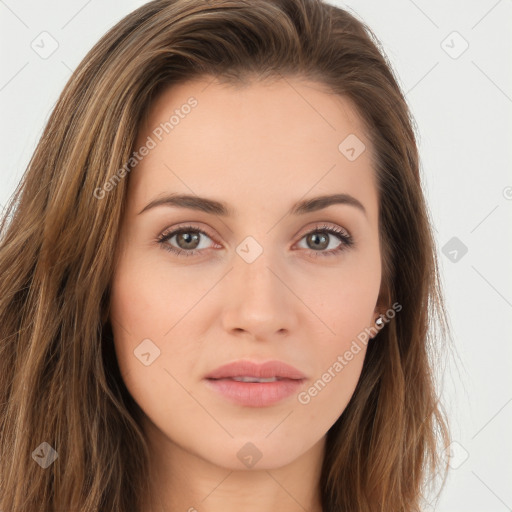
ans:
(188, 239)
(186, 236)
(319, 238)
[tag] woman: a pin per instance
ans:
(277, 353)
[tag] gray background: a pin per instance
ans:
(461, 99)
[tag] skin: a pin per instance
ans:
(259, 148)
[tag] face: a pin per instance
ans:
(199, 285)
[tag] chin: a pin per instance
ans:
(253, 453)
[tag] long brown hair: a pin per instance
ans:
(60, 385)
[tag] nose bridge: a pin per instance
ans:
(258, 301)
(255, 269)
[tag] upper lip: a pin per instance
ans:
(266, 370)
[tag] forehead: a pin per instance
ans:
(251, 144)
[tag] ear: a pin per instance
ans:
(383, 301)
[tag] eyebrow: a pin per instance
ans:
(203, 204)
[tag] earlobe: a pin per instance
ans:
(379, 324)
(383, 306)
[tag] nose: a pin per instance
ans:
(259, 299)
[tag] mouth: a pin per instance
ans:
(255, 393)
(250, 384)
(253, 379)
(249, 371)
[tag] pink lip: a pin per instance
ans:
(261, 370)
(256, 394)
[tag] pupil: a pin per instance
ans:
(189, 238)
(316, 237)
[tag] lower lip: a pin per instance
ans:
(255, 394)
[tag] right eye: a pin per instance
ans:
(186, 235)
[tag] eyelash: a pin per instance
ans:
(345, 239)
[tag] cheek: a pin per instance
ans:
(149, 309)
(144, 303)
(340, 349)
(346, 298)
(345, 303)
(348, 310)
(135, 315)
(140, 316)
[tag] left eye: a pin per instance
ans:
(188, 237)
